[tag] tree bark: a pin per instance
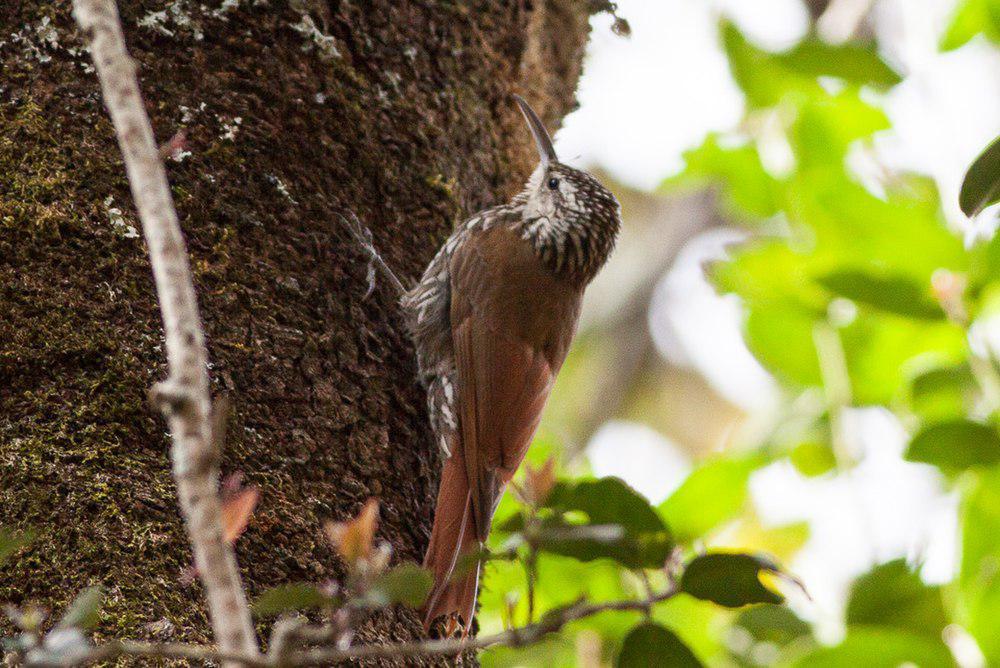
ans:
(398, 111)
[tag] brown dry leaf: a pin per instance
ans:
(174, 146)
(538, 483)
(949, 290)
(238, 504)
(237, 509)
(353, 539)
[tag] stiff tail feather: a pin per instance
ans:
(453, 536)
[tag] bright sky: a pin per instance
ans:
(644, 101)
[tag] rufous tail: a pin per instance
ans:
(456, 580)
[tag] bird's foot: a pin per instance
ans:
(363, 237)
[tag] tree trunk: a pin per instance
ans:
(398, 111)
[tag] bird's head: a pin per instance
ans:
(560, 201)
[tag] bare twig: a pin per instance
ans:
(184, 396)
(552, 622)
(531, 573)
(285, 631)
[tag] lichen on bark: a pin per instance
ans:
(400, 112)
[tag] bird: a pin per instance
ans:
(492, 319)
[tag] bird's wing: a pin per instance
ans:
(506, 357)
(503, 387)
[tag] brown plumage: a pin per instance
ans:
(492, 320)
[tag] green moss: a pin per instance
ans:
(74, 403)
(445, 186)
(36, 176)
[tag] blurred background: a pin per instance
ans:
(793, 348)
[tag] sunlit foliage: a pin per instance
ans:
(857, 290)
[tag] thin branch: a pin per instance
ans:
(553, 622)
(184, 396)
(531, 573)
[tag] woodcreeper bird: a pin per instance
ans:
(492, 319)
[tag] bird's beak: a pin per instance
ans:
(542, 139)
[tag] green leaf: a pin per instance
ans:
(645, 541)
(84, 611)
(297, 596)
(632, 550)
(942, 393)
(752, 69)
(901, 235)
(824, 129)
(766, 78)
(781, 338)
(408, 584)
(981, 186)
(737, 171)
(971, 18)
(853, 62)
(894, 294)
(880, 648)
(767, 271)
(607, 501)
(785, 304)
(880, 347)
(955, 445)
(984, 274)
(11, 542)
(650, 645)
(561, 581)
(892, 595)
(713, 493)
(772, 623)
(729, 579)
(979, 577)
(813, 458)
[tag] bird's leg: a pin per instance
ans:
(363, 237)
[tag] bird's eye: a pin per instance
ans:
(553, 183)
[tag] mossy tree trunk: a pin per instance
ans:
(398, 111)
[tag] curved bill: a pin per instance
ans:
(542, 139)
